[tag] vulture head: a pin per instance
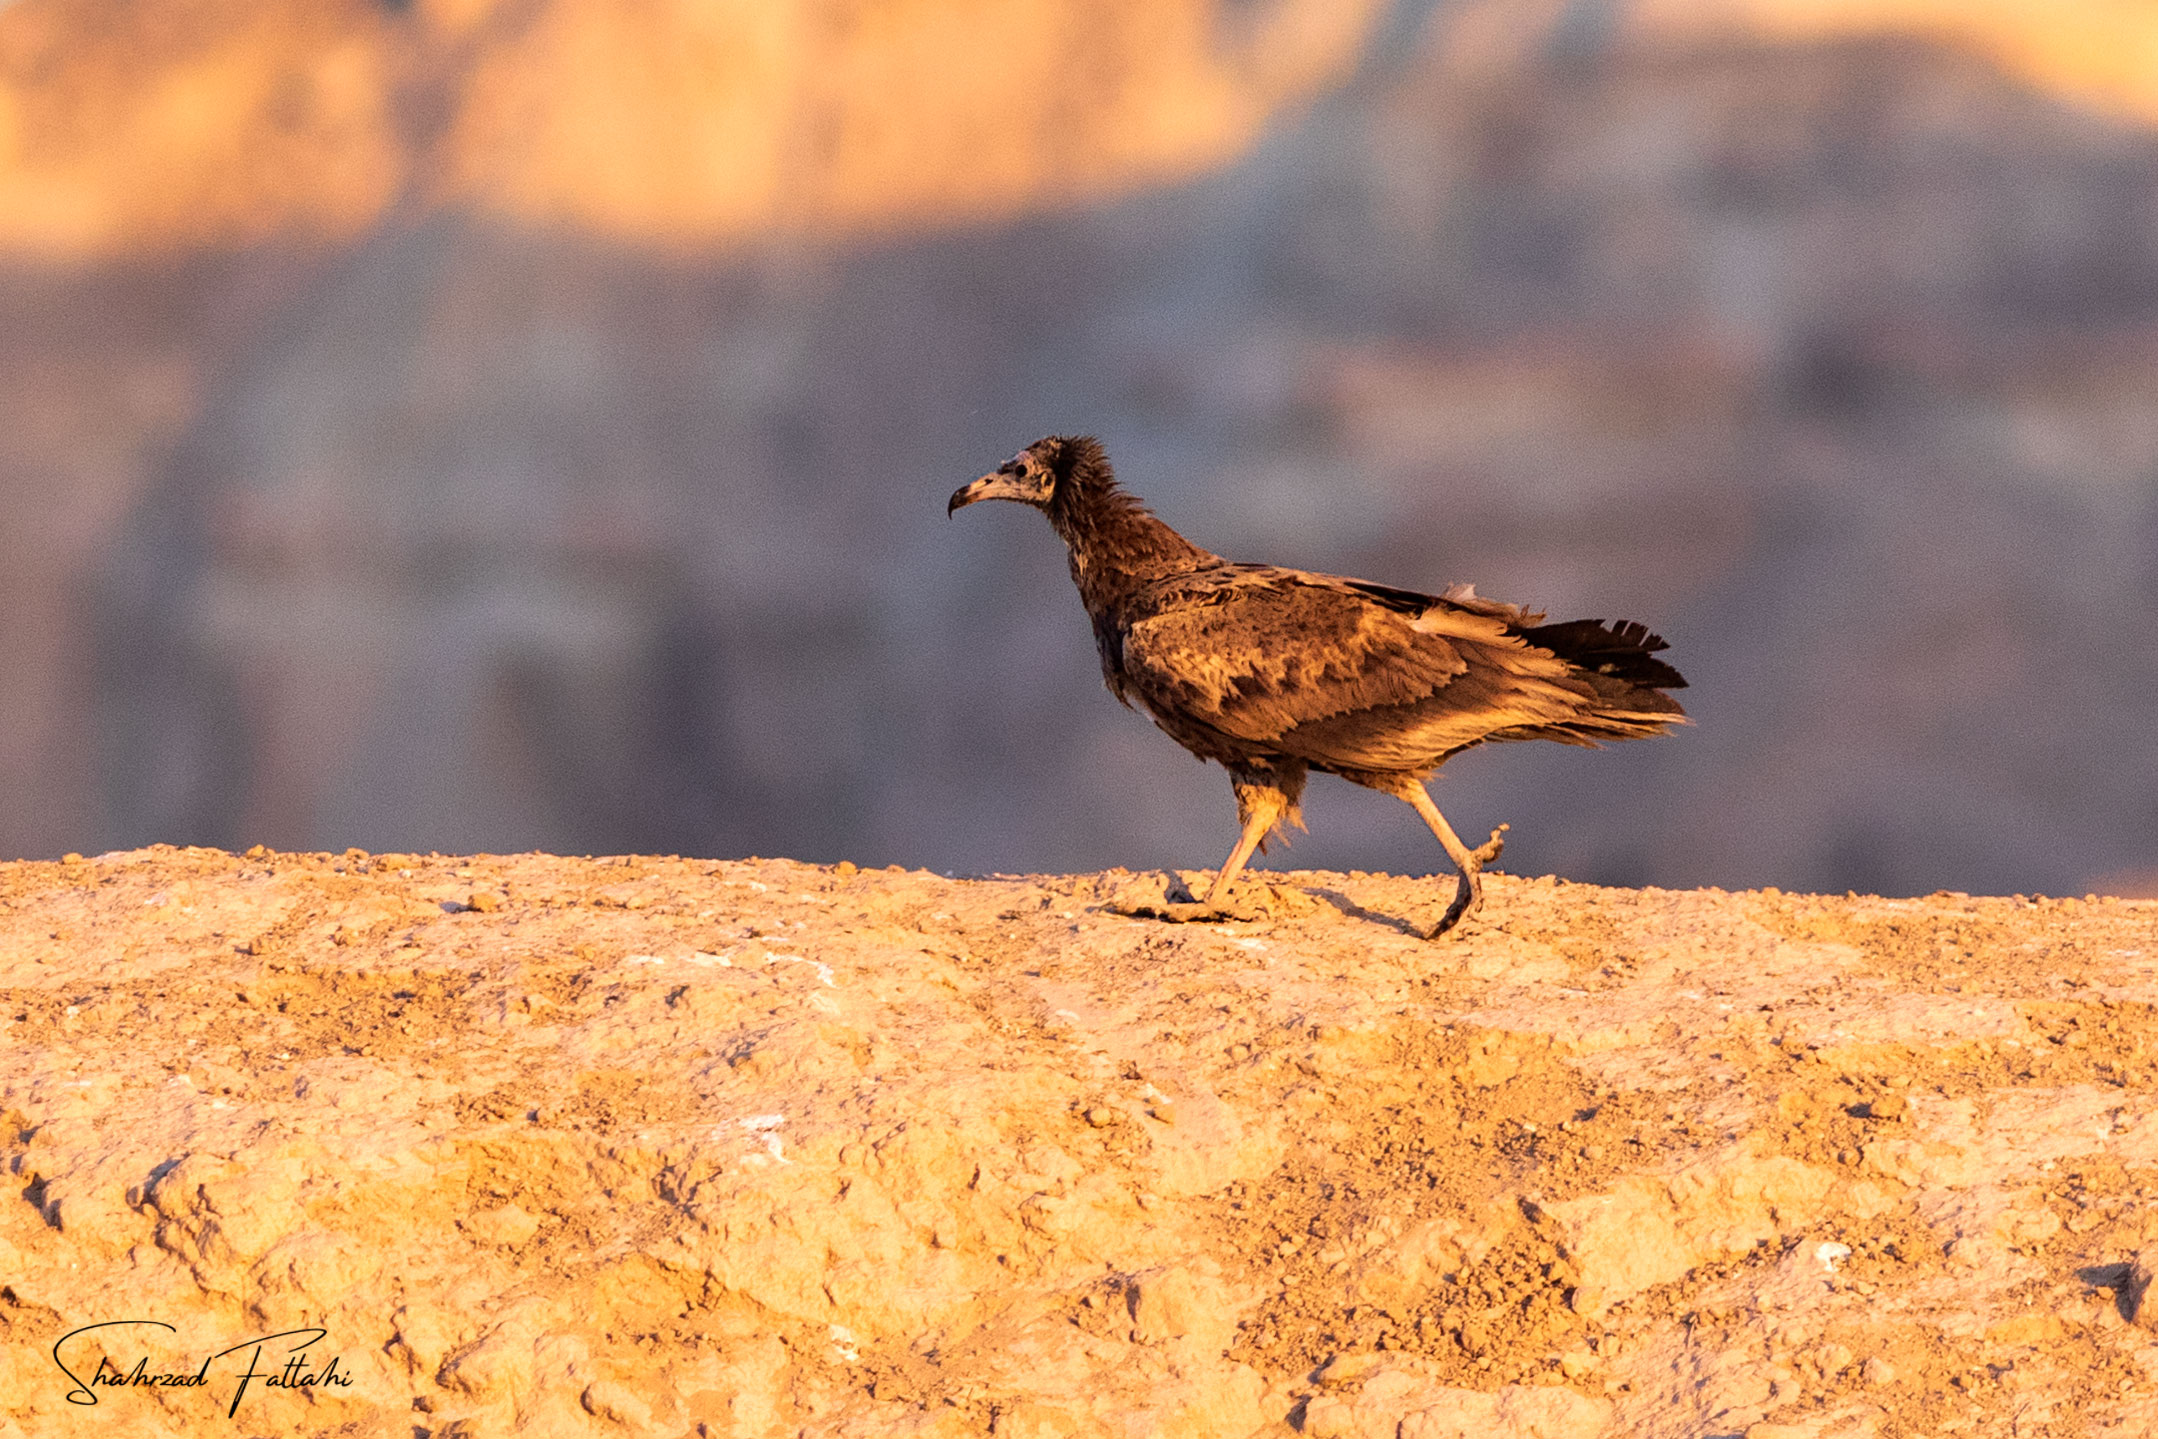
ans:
(1035, 475)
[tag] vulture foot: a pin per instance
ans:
(1469, 893)
(1207, 913)
(1166, 897)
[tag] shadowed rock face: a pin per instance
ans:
(779, 1149)
(474, 533)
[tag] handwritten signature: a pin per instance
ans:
(296, 1373)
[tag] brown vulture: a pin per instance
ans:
(1276, 672)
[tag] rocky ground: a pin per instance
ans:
(662, 1146)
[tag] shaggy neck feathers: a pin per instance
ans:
(1115, 541)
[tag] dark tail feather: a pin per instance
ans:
(1625, 682)
(1618, 656)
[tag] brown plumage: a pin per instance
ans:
(1276, 672)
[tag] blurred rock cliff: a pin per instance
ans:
(494, 426)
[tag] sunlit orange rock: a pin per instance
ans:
(131, 128)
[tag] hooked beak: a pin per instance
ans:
(1004, 484)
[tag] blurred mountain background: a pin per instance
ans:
(526, 424)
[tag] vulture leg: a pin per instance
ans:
(1260, 818)
(1265, 799)
(1469, 894)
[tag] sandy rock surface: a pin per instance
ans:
(652, 1146)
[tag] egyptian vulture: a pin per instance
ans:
(1276, 672)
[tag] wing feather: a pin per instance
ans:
(1327, 671)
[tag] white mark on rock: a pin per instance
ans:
(704, 960)
(774, 1150)
(1831, 1253)
(824, 971)
(644, 959)
(843, 1344)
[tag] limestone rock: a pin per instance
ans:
(691, 1143)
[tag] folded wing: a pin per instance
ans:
(1345, 675)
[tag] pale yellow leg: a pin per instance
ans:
(1265, 810)
(1469, 894)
